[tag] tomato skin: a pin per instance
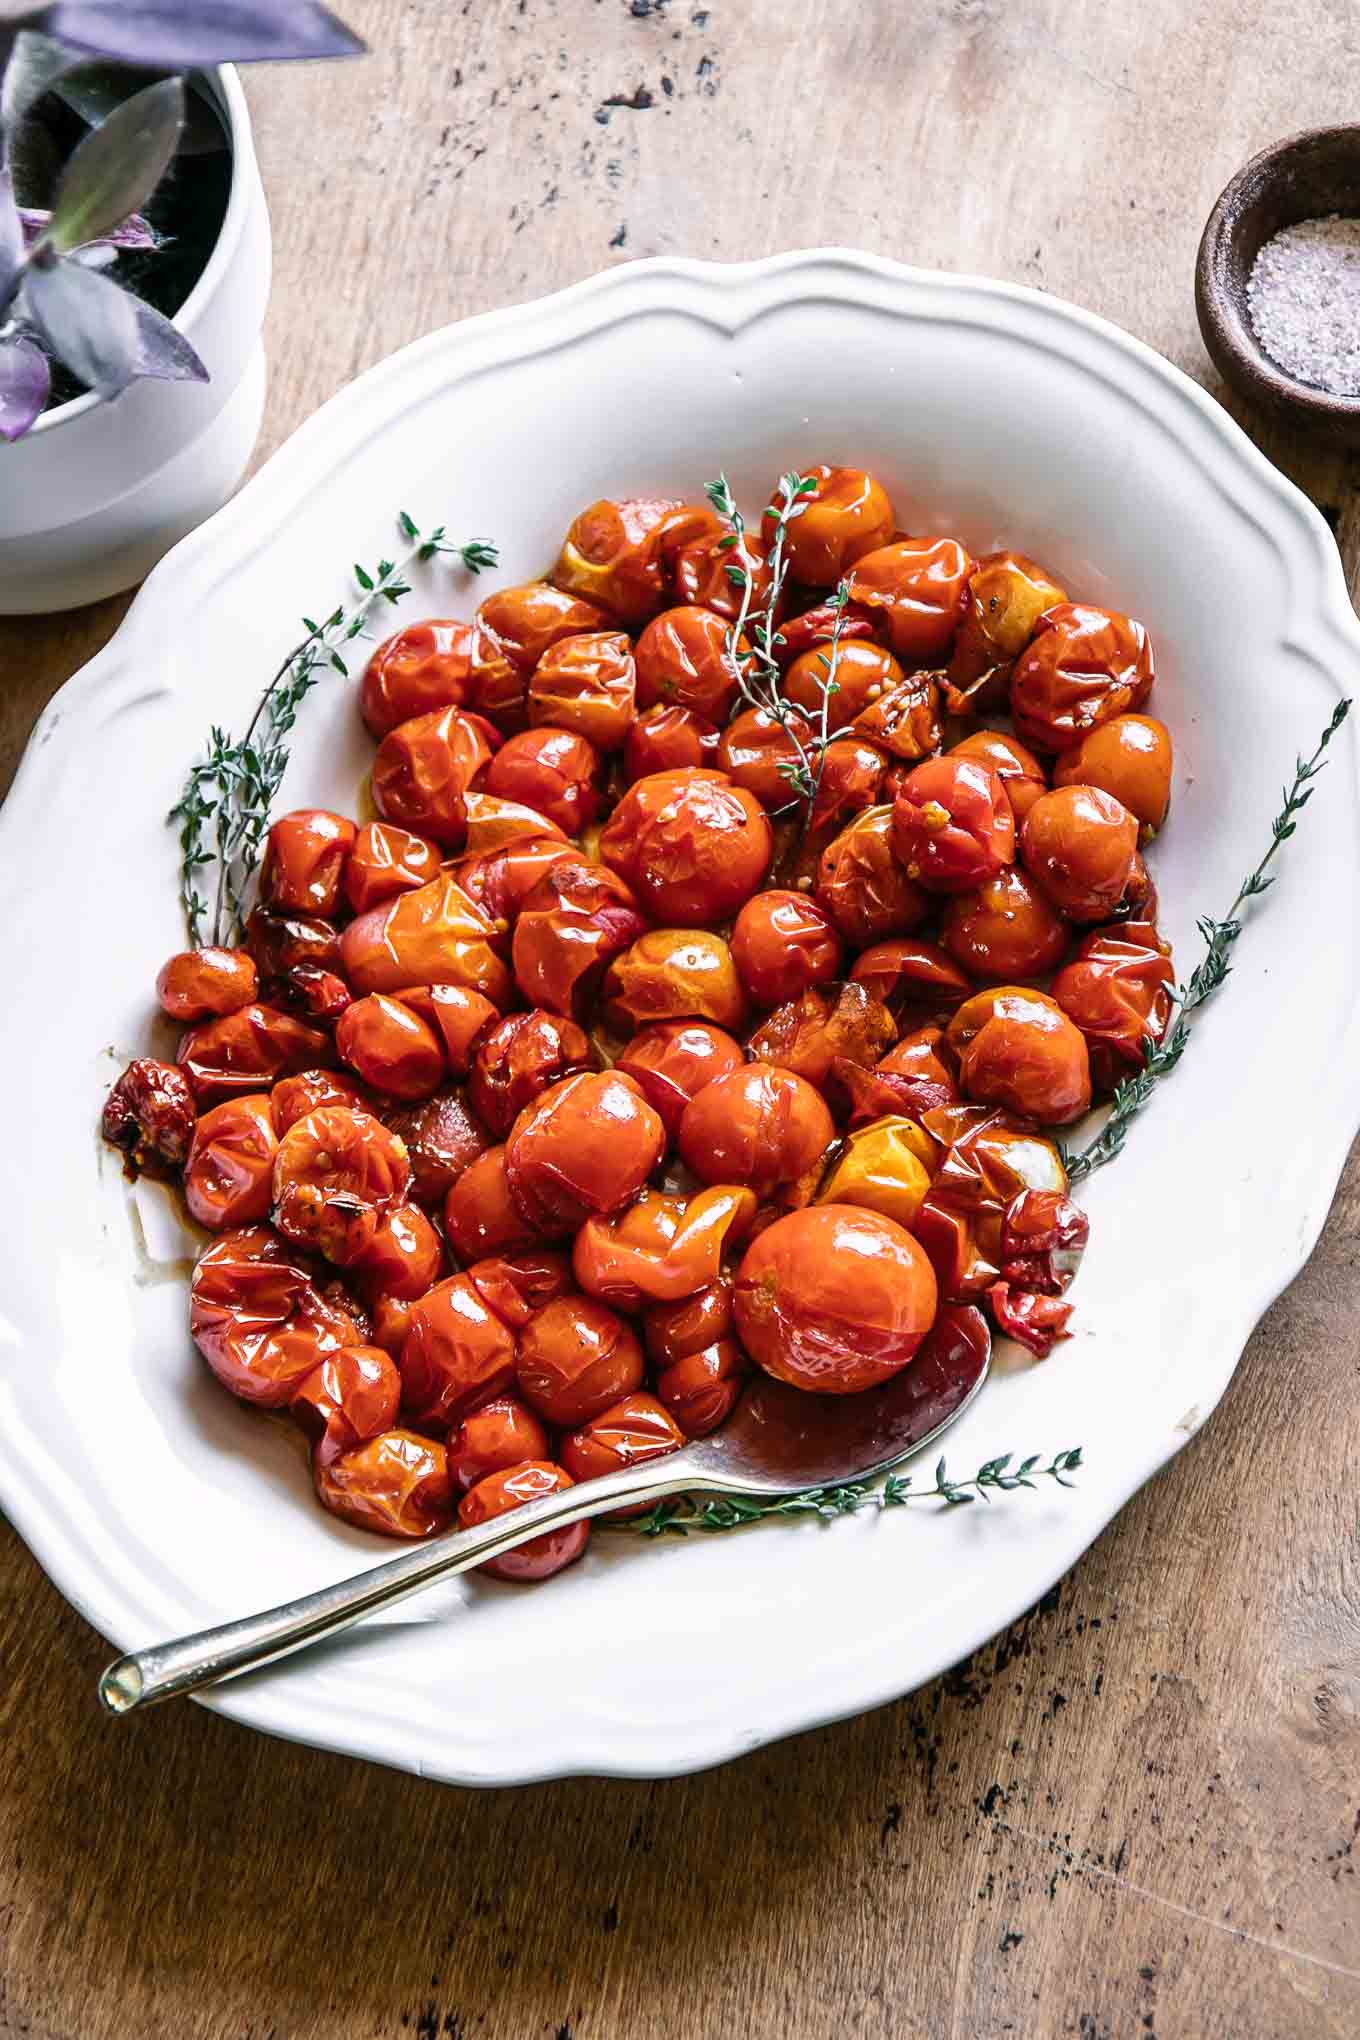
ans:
(418, 671)
(480, 1215)
(304, 861)
(458, 1354)
(985, 1163)
(149, 1115)
(199, 984)
(1130, 757)
(862, 886)
(460, 1020)
(671, 1061)
(582, 1149)
(1117, 990)
(1017, 1048)
(1082, 667)
(1080, 846)
(1018, 769)
(761, 1126)
(423, 771)
(500, 881)
(435, 935)
(953, 825)
(350, 1396)
(500, 1434)
(633, 1430)
(702, 1389)
(587, 684)
(538, 1558)
(404, 1258)
(228, 1178)
(885, 1166)
(810, 631)
(907, 973)
(511, 632)
(672, 1330)
(397, 1484)
(905, 720)
(336, 1174)
(674, 974)
(669, 739)
(259, 1319)
(387, 860)
(613, 553)
(391, 1047)
(834, 1299)
(248, 1051)
(915, 1076)
(784, 942)
(1004, 931)
(570, 928)
(691, 845)
(682, 662)
(915, 588)
(662, 1249)
(552, 770)
(517, 1061)
(576, 1358)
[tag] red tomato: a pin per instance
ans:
(904, 720)
(460, 1019)
(613, 554)
(514, 628)
(480, 1216)
(1129, 757)
(1004, 931)
(693, 846)
(1018, 1049)
(458, 1354)
(336, 1174)
(1081, 847)
(669, 739)
(1117, 991)
(675, 974)
(423, 771)
(404, 1258)
(396, 1484)
(1082, 667)
(538, 1558)
(913, 1077)
(517, 1061)
(672, 1330)
(501, 881)
(259, 1319)
(782, 943)
(499, 1435)
(635, 1429)
(516, 1285)
(292, 1098)
(844, 516)
(304, 861)
(1018, 769)
(350, 1396)
(391, 1047)
(248, 1051)
(576, 1357)
(588, 684)
(661, 1248)
(585, 1147)
(228, 1178)
(386, 861)
(912, 974)
(701, 577)
(683, 662)
(555, 771)
(572, 925)
(200, 982)
(916, 588)
(442, 1139)
(953, 825)
(852, 779)
(825, 1025)
(760, 1126)
(759, 752)
(435, 935)
(861, 885)
(426, 667)
(702, 1389)
(1006, 597)
(149, 1115)
(834, 1298)
(671, 1062)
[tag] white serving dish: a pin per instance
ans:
(158, 1505)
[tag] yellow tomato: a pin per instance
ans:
(886, 1167)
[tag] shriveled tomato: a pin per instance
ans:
(538, 1558)
(584, 1148)
(502, 1433)
(149, 1116)
(573, 924)
(588, 684)
(513, 629)
(1083, 666)
(292, 1098)
(782, 943)
(480, 1216)
(700, 573)
(500, 881)
(910, 975)
(613, 553)
(435, 935)
(423, 771)
(304, 861)
(760, 751)
(1018, 769)
(674, 974)
(671, 1330)
(391, 1047)
(336, 1174)
(442, 1138)
(387, 860)
(1017, 1048)
(404, 1258)
(916, 588)
(228, 1178)
(634, 1429)
(703, 1388)
(683, 662)
(1007, 594)
(202, 982)
(517, 1284)
(692, 846)
(904, 720)
(671, 1061)
(248, 1051)
(851, 779)
(458, 1354)
(419, 670)
(397, 1484)
(518, 1060)
(953, 825)
(1043, 1237)
(460, 1020)
(761, 1126)
(862, 885)
(822, 1027)
(576, 1357)
(885, 1167)
(986, 1162)
(351, 1395)
(913, 1077)
(845, 515)
(259, 1318)
(662, 1248)
(555, 771)
(1117, 989)
(669, 739)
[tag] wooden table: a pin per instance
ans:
(1136, 1813)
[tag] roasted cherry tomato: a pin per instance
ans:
(501, 1434)
(459, 1018)
(442, 1139)
(458, 1354)
(228, 1178)
(1117, 989)
(1080, 847)
(671, 1061)
(1035, 1321)
(202, 982)
(500, 881)
(864, 673)
(884, 1167)
(1006, 596)
(845, 515)
(692, 846)
(1082, 667)
(761, 1125)
(683, 662)
(1018, 1049)
(851, 779)
(404, 1258)
(350, 1396)
(782, 943)
(426, 667)
(587, 684)
(669, 739)
(702, 1389)
(538, 1558)
(435, 935)
(304, 861)
(862, 886)
(149, 1115)
(571, 927)
(1043, 1237)
(672, 1330)
(759, 752)
(518, 1284)
(953, 825)
(391, 1047)
(1129, 757)
(423, 771)
(635, 1429)
(584, 1148)
(248, 1051)
(494, 823)
(986, 1161)
(662, 1248)
(834, 1299)
(823, 1026)
(386, 861)
(904, 720)
(576, 1357)
(916, 588)
(1004, 931)
(282, 945)
(517, 1061)
(259, 1319)
(911, 976)
(913, 1077)
(701, 577)
(675, 974)
(480, 1216)
(555, 771)
(513, 629)
(336, 1174)
(1018, 769)
(811, 629)
(613, 553)
(292, 1098)
(396, 1484)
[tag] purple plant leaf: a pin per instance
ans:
(135, 232)
(104, 335)
(11, 240)
(35, 64)
(24, 382)
(180, 33)
(117, 167)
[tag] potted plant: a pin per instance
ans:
(134, 271)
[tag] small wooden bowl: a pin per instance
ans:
(1308, 175)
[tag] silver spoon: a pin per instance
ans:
(778, 1440)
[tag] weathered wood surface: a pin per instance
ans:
(1138, 1812)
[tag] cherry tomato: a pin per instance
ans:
(435, 935)
(613, 554)
(861, 885)
(458, 1354)
(494, 824)
(514, 628)
(391, 1047)
(259, 1319)
(693, 846)
(1043, 1237)
(669, 739)
(538, 1558)
(461, 1020)
(702, 1389)
(352, 1395)
(635, 1429)
(480, 1216)
(909, 974)
(248, 1051)
(516, 1285)
(282, 944)
(588, 684)
(499, 1435)
(149, 1115)
(904, 720)
(671, 1061)
(1018, 769)
(441, 1138)
(1117, 991)
(572, 925)
(386, 861)
(228, 1178)
(672, 1330)
(336, 1174)
(1004, 931)
(423, 771)
(1082, 667)
(916, 588)
(911, 1078)
(202, 982)
(1018, 1049)
(761, 1125)
(825, 1025)
(555, 771)
(884, 1167)
(304, 861)
(662, 1248)
(833, 1299)
(1129, 757)
(584, 1148)
(1079, 846)
(811, 630)
(683, 662)
(576, 1357)
(675, 974)
(396, 1484)
(426, 667)
(700, 572)
(404, 1258)
(500, 881)
(757, 752)
(518, 1060)
(1035, 1321)
(953, 825)
(292, 1098)
(1006, 596)
(986, 1161)
(851, 780)
(844, 516)
(784, 942)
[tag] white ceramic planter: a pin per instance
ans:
(94, 495)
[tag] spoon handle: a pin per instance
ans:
(184, 1664)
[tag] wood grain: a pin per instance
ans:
(1136, 1813)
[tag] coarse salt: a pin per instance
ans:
(1303, 299)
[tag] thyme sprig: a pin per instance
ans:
(681, 1514)
(1220, 938)
(224, 810)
